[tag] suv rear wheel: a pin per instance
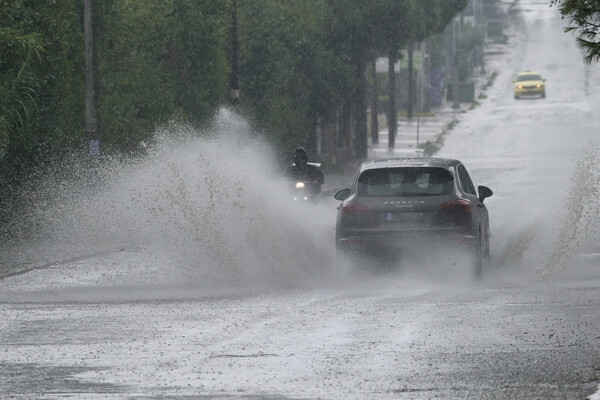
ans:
(478, 256)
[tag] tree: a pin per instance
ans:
(392, 111)
(374, 105)
(41, 96)
(353, 34)
(584, 16)
(393, 28)
(50, 85)
(17, 84)
(288, 78)
(428, 17)
(159, 61)
(403, 24)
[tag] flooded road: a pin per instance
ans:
(186, 295)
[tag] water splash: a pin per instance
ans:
(207, 207)
(579, 224)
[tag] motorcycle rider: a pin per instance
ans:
(302, 170)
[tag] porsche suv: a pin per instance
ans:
(394, 204)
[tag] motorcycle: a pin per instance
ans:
(302, 192)
(306, 190)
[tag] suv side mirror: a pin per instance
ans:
(484, 192)
(342, 194)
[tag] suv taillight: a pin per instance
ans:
(457, 206)
(458, 213)
(352, 207)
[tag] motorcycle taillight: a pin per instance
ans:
(352, 207)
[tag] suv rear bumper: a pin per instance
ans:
(360, 244)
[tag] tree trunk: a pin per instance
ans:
(91, 78)
(411, 82)
(455, 99)
(425, 104)
(392, 111)
(344, 132)
(374, 107)
(360, 111)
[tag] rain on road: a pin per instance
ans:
(142, 322)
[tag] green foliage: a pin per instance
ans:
(353, 29)
(17, 84)
(491, 79)
(300, 60)
(471, 39)
(288, 77)
(161, 61)
(43, 83)
(495, 32)
(429, 148)
(584, 16)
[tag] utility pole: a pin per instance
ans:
(91, 78)
(234, 81)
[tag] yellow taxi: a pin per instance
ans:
(529, 83)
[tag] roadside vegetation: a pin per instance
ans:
(302, 66)
(584, 17)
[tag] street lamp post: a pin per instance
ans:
(234, 84)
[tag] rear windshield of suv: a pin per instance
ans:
(405, 182)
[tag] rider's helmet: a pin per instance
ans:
(300, 156)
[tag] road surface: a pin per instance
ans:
(196, 290)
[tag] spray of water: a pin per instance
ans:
(202, 208)
(579, 224)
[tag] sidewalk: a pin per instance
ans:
(419, 137)
(423, 135)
